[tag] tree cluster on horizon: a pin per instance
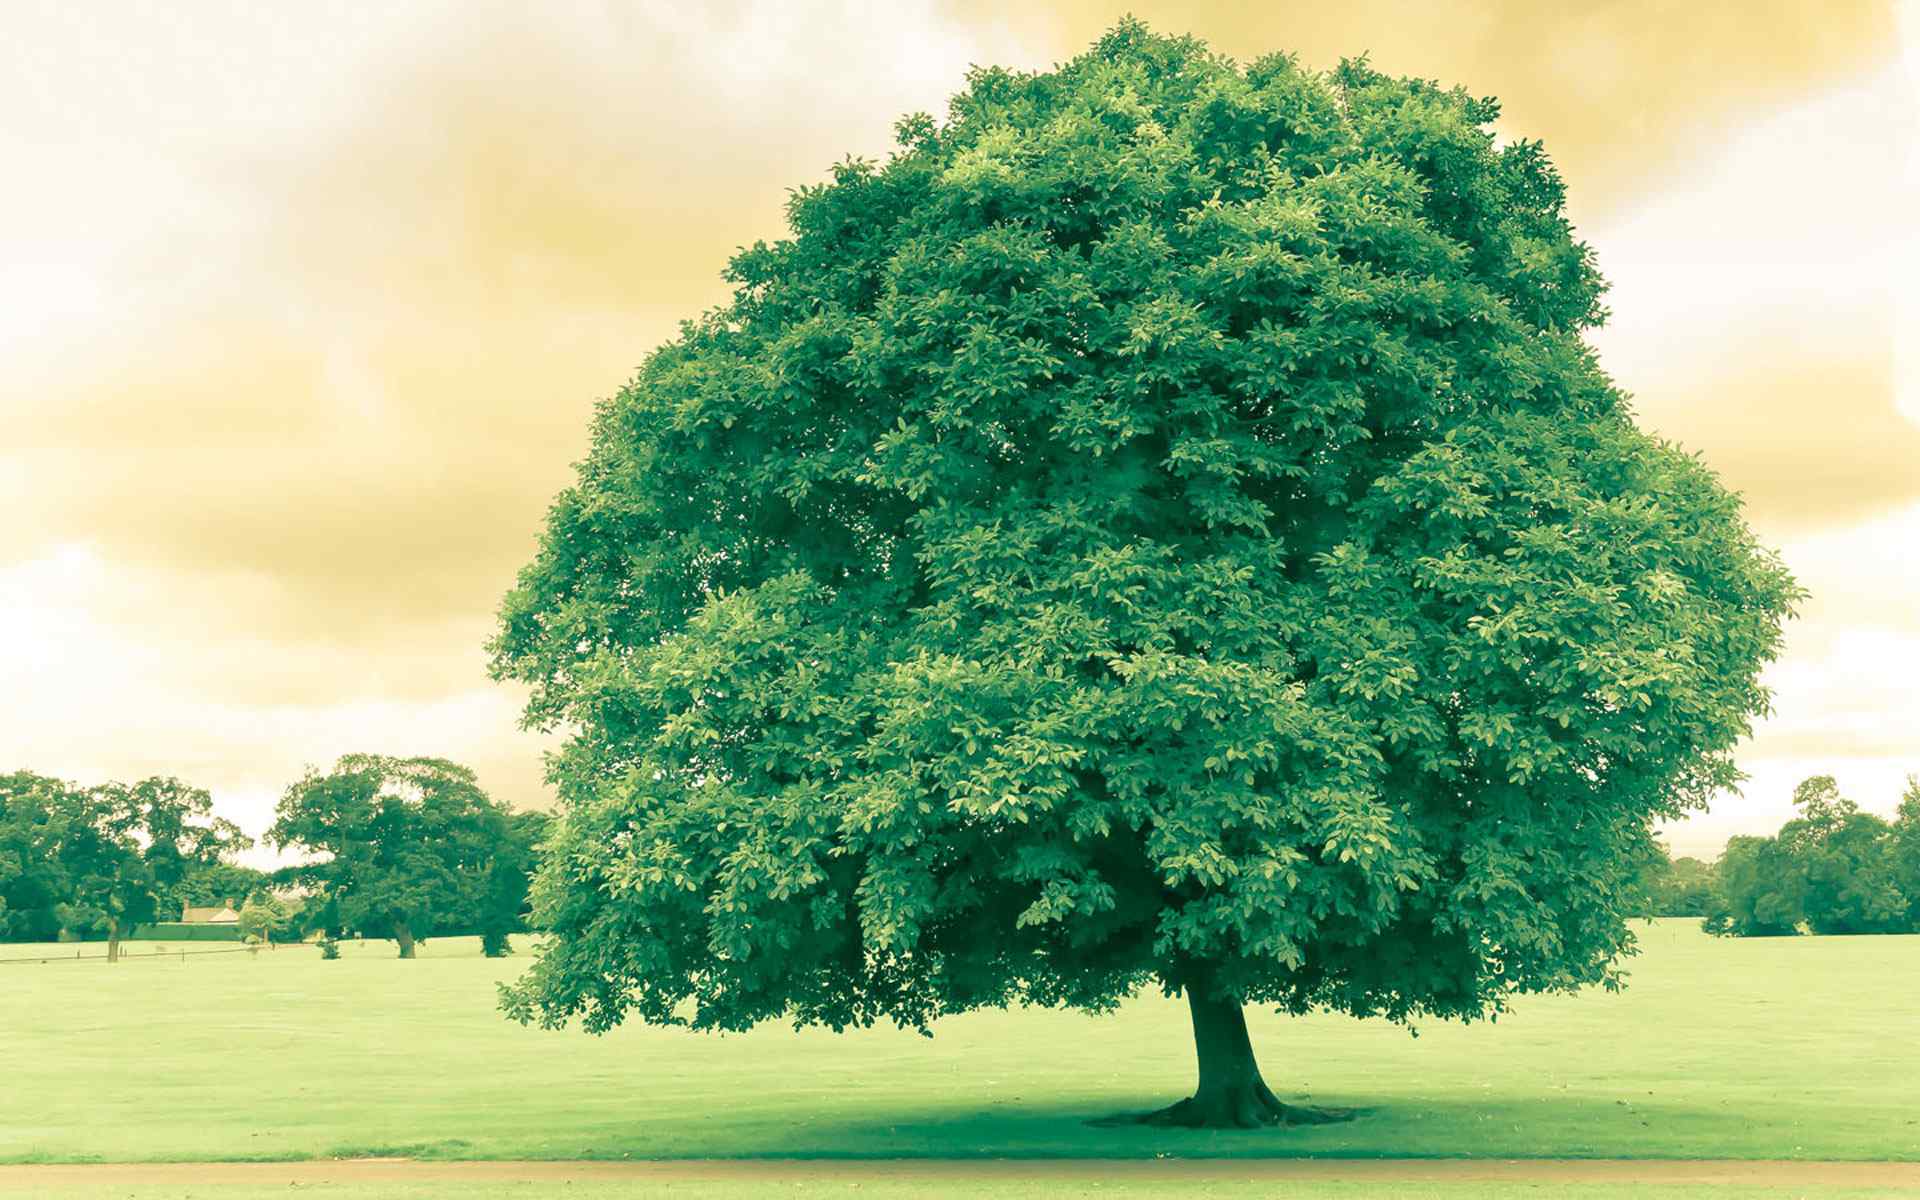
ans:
(1834, 869)
(101, 860)
(409, 847)
(395, 848)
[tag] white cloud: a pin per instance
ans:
(1847, 688)
(92, 694)
(1799, 228)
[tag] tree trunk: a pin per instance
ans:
(113, 940)
(404, 936)
(1230, 1093)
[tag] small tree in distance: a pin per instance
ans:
(1164, 527)
(263, 916)
(403, 846)
(1674, 887)
(217, 883)
(1686, 890)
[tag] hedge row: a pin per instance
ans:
(174, 931)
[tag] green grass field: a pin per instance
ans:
(1095, 1190)
(1795, 1048)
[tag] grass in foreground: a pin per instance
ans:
(1791, 1048)
(998, 1190)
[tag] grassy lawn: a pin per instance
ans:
(1791, 1048)
(1008, 1190)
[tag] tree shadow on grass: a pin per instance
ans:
(1399, 1126)
(1283, 1116)
(1071, 1128)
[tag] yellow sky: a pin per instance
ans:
(303, 310)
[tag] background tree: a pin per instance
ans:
(1761, 891)
(215, 883)
(1687, 889)
(34, 811)
(1674, 887)
(408, 845)
(1846, 858)
(265, 917)
(1833, 869)
(125, 848)
(1164, 526)
(1906, 850)
(506, 907)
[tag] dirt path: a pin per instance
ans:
(1390, 1170)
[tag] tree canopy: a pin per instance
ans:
(1164, 525)
(405, 847)
(217, 883)
(265, 917)
(1675, 887)
(104, 859)
(505, 909)
(1833, 869)
(34, 813)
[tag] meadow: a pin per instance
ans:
(1799, 1048)
(1093, 1189)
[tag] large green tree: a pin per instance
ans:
(1164, 526)
(398, 846)
(126, 848)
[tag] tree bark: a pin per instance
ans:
(113, 940)
(1230, 1093)
(404, 936)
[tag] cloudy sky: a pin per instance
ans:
(303, 310)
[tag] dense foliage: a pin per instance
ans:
(216, 883)
(1832, 869)
(266, 917)
(507, 908)
(1164, 525)
(400, 847)
(34, 813)
(104, 859)
(1674, 887)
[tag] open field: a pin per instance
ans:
(1804, 1048)
(1052, 1190)
(924, 1180)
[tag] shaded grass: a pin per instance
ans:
(995, 1190)
(1777, 1048)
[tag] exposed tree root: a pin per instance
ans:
(1254, 1107)
(1230, 1093)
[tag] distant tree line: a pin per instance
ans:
(390, 847)
(101, 860)
(1832, 869)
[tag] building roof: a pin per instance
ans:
(210, 914)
